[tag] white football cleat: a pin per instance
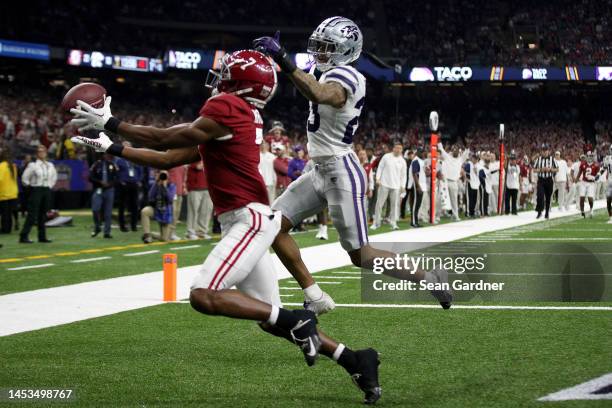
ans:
(609, 221)
(394, 226)
(591, 213)
(322, 233)
(373, 227)
(320, 306)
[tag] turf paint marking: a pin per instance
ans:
(184, 247)
(289, 288)
(479, 307)
(338, 277)
(599, 388)
(100, 258)
(30, 267)
(142, 253)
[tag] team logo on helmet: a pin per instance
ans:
(351, 32)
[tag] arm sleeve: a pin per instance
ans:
(416, 167)
(52, 176)
(442, 151)
(92, 172)
(381, 166)
(291, 169)
(27, 174)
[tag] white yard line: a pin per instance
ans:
(37, 309)
(100, 258)
(184, 247)
(338, 277)
(19, 268)
(348, 272)
(155, 251)
(479, 307)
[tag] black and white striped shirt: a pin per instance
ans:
(542, 162)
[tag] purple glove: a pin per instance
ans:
(271, 46)
(268, 45)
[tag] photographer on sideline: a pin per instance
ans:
(161, 198)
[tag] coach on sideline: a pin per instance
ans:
(40, 176)
(546, 167)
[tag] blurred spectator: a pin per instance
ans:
(266, 168)
(281, 167)
(161, 196)
(40, 176)
(103, 175)
(128, 187)
(8, 191)
(178, 177)
(296, 164)
(390, 181)
(199, 204)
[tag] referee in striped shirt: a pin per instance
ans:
(546, 167)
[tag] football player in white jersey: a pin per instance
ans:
(338, 181)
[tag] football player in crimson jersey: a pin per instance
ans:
(588, 175)
(338, 182)
(226, 137)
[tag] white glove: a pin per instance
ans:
(101, 144)
(402, 195)
(440, 146)
(322, 305)
(87, 117)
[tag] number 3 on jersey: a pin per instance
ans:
(350, 127)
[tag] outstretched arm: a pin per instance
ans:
(327, 93)
(321, 93)
(199, 131)
(161, 160)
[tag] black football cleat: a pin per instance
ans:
(305, 335)
(445, 297)
(366, 376)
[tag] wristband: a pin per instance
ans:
(116, 149)
(112, 124)
(284, 62)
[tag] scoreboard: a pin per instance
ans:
(98, 59)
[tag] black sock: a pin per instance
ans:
(286, 319)
(348, 360)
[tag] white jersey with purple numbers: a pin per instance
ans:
(331, 130)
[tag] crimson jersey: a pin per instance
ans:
(588, 171)
(232, 161)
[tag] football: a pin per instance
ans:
(88, 92)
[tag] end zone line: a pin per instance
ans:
(480, 307)
(30, 267)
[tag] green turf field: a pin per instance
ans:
(169, 355)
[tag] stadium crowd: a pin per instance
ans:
(444, 32)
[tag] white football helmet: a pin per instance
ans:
(336, 41)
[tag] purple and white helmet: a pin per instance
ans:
(336, 41)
